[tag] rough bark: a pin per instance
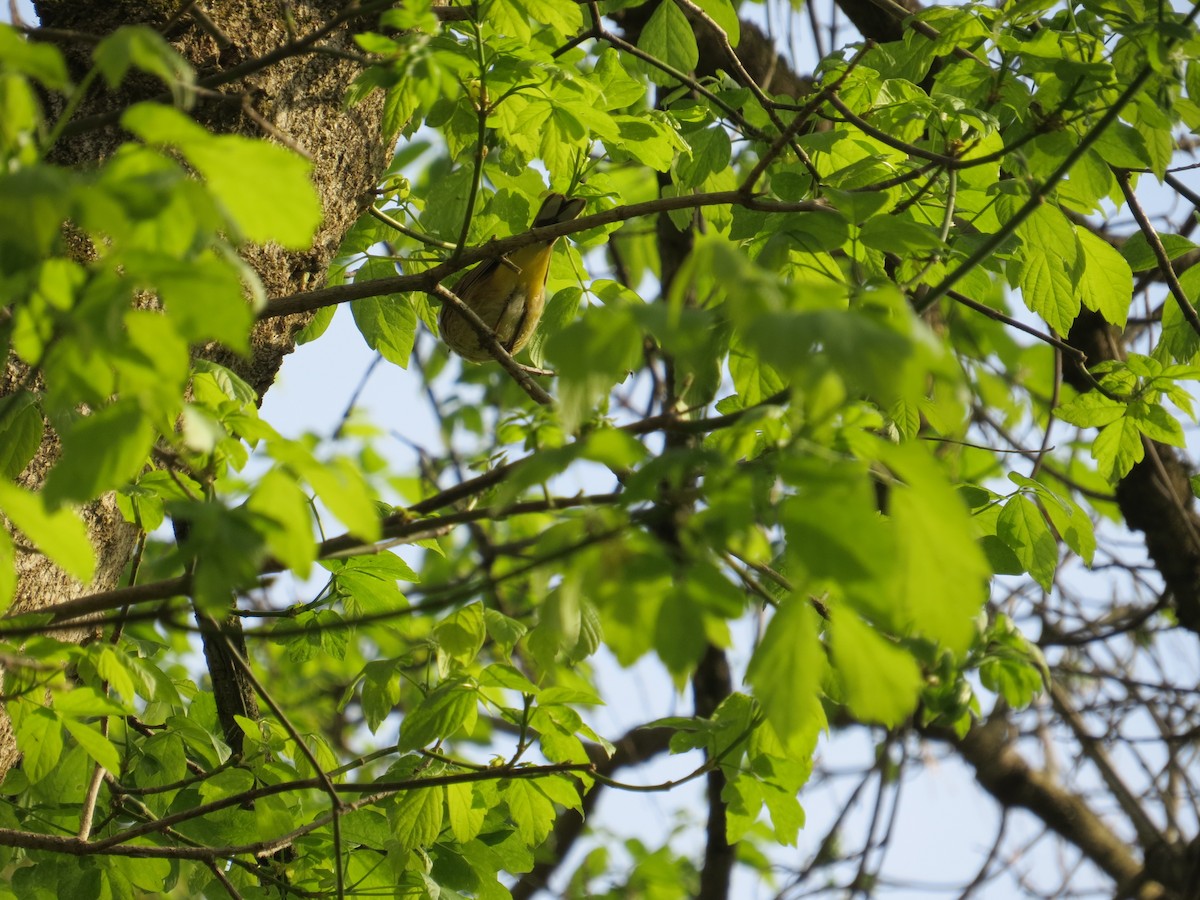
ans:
(300, 97)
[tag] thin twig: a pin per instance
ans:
(801, 119)
(399, 226)
(1160, 252)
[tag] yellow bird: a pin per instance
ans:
(508, 293)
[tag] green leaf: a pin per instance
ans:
(366, 593)
(710, 153)
(1023, 528)
(40, 740)
(111, 667)
(8, 572)
(61, 534)
(620, 89)
(1140, 256)
(1091, 410)
(503, 630)
(102, 451)
(287, 520)
(565, 18)
(38, 60)
(592, 355)
(506, 676)
(561, 310)
(832, 524)
(562, 790)
(34, 202)
(557, 734)
(1072, 525)
(367, 827)
(446, 204)
(870, 355)
(388, 323)
(1017, 682)
(265, 188)
(141, 47)
(439, 715)
(339, 483)
(579, 695)
(1049, 266)
(680, 637)
(224, 380)
(163, 761)
(897, 235)
(226, 549)
(380, 691)
(1143, 366)
(467, 809)
(941, 573)
(1153, 420)
(743, 797)
(857, 206)
(85, 702)
(1179, 338)
(147, 875)
(723, 13)
(881, 682)
(1122, 146)
(153, 368)
(384, 565)
(316, 325)
(531, 810)
(560, 619)
(1117, 448)
(786, 671)
(389, 326)
(416, 818)
(461, 634)
(21, 428)
(647, 138)
(203, 296)
(98, 747)
(591, 634)
(1107, 281)
(1014, 669)
(508, 17)
(668, 37)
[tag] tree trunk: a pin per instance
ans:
(296, 100)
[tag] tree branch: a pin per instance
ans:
(1004, 774)
(307, 301)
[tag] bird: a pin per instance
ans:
(508, 293)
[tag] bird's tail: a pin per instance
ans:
(558, 208)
